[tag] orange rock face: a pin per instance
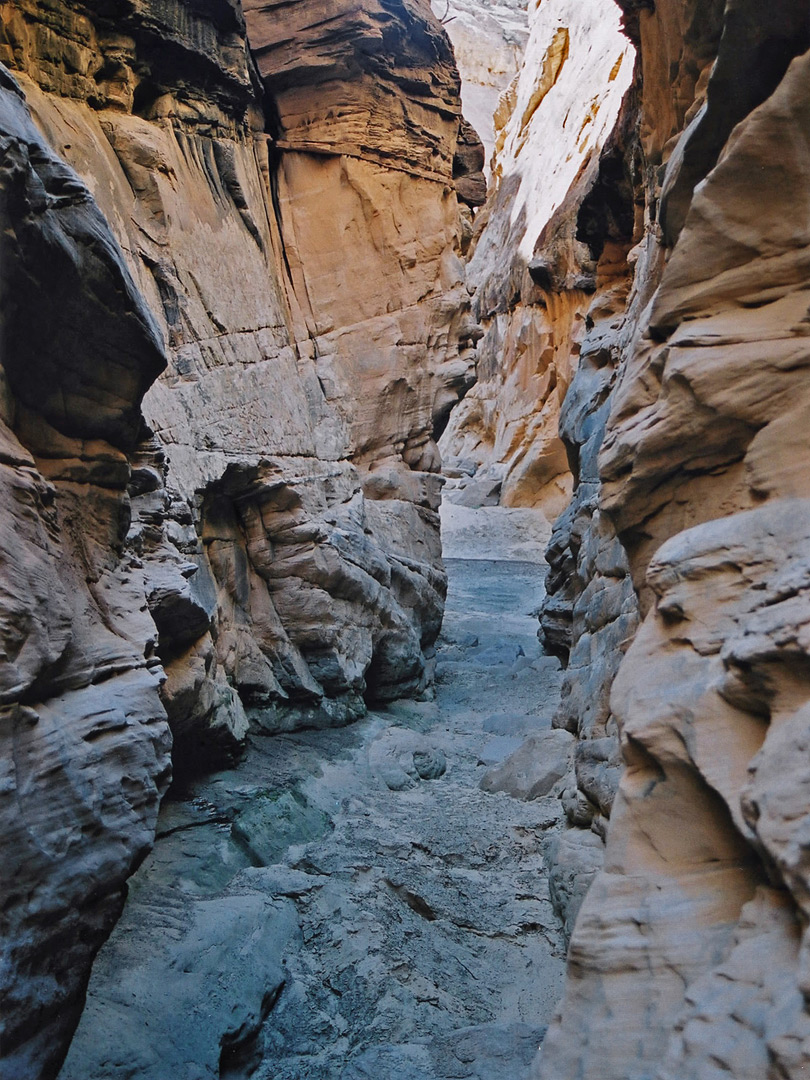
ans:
(687, 956)
(369, 80)
(281, 185)
(533, 276)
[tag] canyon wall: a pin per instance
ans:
(533, 277)
(489, 42)
(247, 539)
(235, 325)
(85, 739)
(686, 428)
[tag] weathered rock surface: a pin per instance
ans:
(591, 611)
(489, 41)
(533, 275)
(534, 768)
(301, 918)
(85, 740)
(251, 545)
(686, 959)
(262, 530)
(268, 342)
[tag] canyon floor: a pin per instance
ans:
(349, 903)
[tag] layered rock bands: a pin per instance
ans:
(533, 276)
(265, 244)
(679, 573)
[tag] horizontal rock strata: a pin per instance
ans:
(256, 541)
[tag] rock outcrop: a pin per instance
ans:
(534, 277)
(85, 739)
(489, 41)
(683, 425)
(254, 542)
(280, 284)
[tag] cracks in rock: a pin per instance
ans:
(413, 900)
(216, 819)
(241, 1051)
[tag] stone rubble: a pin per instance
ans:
(330, 910)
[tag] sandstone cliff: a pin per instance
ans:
(533, 277)
(489, 41)
(232, 335)
(85, 739)
(255, 543)
(685, 426)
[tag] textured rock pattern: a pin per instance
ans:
(349, 903)
(337, 73)
(260, 528)
(489, 41)
(687, 956)
(591, 611)
(317, 600)
(85, 740)
(533, 275)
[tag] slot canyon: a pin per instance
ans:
(405, 556)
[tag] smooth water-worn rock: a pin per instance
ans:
(303, 917)
(275, 456)
(534, 768)
(249, 538)
(686, 959)
(85, 739)
(235, 326)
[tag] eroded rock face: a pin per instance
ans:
(286, 272)
(85, 739)
(403, 908)
(262, 528)
(554, 281)
(687, 956)
(532, 272)
(489, 40)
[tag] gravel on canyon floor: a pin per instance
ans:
(349, 904)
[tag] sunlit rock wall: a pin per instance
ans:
(532, 274)
(688, 956)
(259, 545)
(489, 40)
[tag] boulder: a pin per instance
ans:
(532, 770)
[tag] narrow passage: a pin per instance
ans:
(349, 904)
